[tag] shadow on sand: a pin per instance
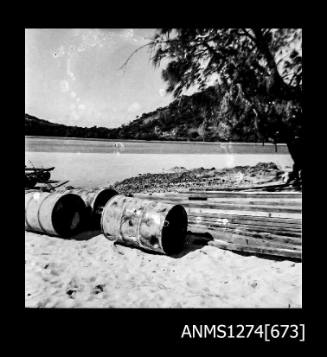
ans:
(193, 242)
(86, 235)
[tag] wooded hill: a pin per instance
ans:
(40, 127)
(183, 119)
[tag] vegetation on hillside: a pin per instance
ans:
(40, 127)
(258, 73)
(184, 119)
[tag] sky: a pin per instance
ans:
(72, 76)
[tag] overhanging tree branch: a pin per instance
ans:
(133, 53)
(264, 49)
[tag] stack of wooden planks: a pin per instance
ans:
(262, 223)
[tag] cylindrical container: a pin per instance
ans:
(94, 200)
(59, 214)
(151, 225)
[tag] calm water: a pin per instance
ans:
(98, 162)
(45, 144)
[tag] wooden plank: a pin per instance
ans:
(252, 231)
(249, 201)
(222, 194)
(239, 207)
(233, 219)
(287, 253)
(199, 228)
(231, 194)
(249, 213)
(269, 236)
(267, 187)
(246, 221)
(242, 188)
(250, 218)
(235, 201)
(253, 241)
(257, 228)
(219, 199)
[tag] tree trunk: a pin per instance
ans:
(275, 144)
(295, 148)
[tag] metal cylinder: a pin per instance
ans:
(155, 226)
(59, 214)
(94, 200)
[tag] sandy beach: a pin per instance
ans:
(97, 273)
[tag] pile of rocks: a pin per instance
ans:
(199, 178)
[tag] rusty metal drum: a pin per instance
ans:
(94, 200)
(58, 214)
(151, 225)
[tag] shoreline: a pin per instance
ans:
(68, 151)
(155, 141)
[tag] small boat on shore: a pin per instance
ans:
(41, 175)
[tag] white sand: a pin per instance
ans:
(98, 273)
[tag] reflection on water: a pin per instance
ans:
(118, 148)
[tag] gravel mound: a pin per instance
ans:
(201, 178)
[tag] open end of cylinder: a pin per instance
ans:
(68, 215)
(99, 203)
(174, 230)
